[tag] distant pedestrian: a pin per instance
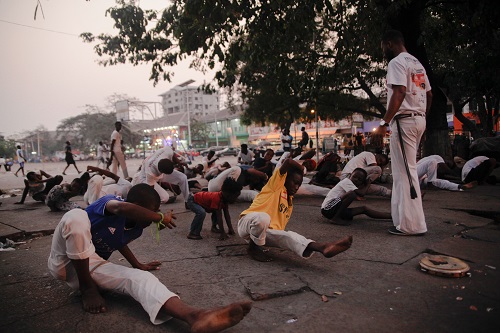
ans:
(3, 162)
(21, 159)
(117, 157)
(286, 140)
(245, 156)
(69, 158)
(102, 154)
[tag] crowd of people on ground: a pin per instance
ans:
(119, 208)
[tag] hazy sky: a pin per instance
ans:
(46, 76)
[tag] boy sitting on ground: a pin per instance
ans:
(265, 221)
(335, 206)
(84, 240)
(215, 203)
(37, 187)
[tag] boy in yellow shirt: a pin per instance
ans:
(265, 221)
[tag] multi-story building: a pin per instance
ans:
(184, 98)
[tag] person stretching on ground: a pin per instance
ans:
(37, 187)
(335, 206)
(215, 203)
(429, 172)
(479, 169)
(264, 222)
(99, 187)
(84, 240)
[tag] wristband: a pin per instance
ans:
(159, 224)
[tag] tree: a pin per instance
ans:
(7, 147)
(200, 132)
(280, 54)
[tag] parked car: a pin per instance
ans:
(229, 151)
(214, 148)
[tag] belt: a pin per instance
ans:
(407, 115)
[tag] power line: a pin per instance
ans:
(36, 28)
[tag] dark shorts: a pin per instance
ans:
(332, 209)
(478, 173)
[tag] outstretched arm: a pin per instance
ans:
(25, 192)
(127, 253)
(137, 213)
(361, 191)
(103, 172)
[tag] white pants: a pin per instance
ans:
(374, 172)
(164, 196)
(119, 158)
(429, 169)
(310, 189)
(407, 213)
(180, 179)
(255, 226)
(72, 240)
(97, 188)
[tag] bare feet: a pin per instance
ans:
(332, 249)
(468, 186)
(216, 320)
(215, 230)
(93, 301)
(257, 253)
(231, 232)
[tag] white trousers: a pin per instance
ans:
(164, 196)
(119, 158)
(255, 226)
(429, 169)
(407, 213)
(97, 188)
(180, 179)
(72, 240)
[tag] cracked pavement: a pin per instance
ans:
(376, 286)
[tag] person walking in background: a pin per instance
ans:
(69, 158)
(102, 154)
(21, 159)
(117, 157)
(409, 98)
(245, 156)
(286, 140)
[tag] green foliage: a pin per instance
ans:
(7, 147)
(200, 131)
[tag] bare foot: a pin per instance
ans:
(256, 253)
(332, 249)
(468, 186)
(358, 198)
(219, 319)
(93, 301)
(231, 232)
(215, 230)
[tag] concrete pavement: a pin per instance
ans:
(376, 286)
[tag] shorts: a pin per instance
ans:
(332, 208)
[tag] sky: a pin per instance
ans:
(47, 73)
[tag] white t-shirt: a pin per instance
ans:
(117, 147)
(149, 173)
(246, 158)
(344, 186)
(285, 144)
(471, 164)
(101, 151)
(406, 70)
(359, 161)
(426, 166)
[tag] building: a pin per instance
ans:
(187, 99)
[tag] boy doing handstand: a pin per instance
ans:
(335, 206)
(265, 221)
(215, 203)
(84, 240)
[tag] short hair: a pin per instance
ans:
(118, 122)
(385, 157)
(68, 143)
(166, 166)
(393, 36)
(269, 149)
(18, 147)
(30, 175)
(244, 145)
(143, 195)
(363, 171)
(100, 142)
(231, 186)
(303, 128)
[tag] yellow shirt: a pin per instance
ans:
(273, 200)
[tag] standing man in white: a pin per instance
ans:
(117, 157)
(409, 98)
